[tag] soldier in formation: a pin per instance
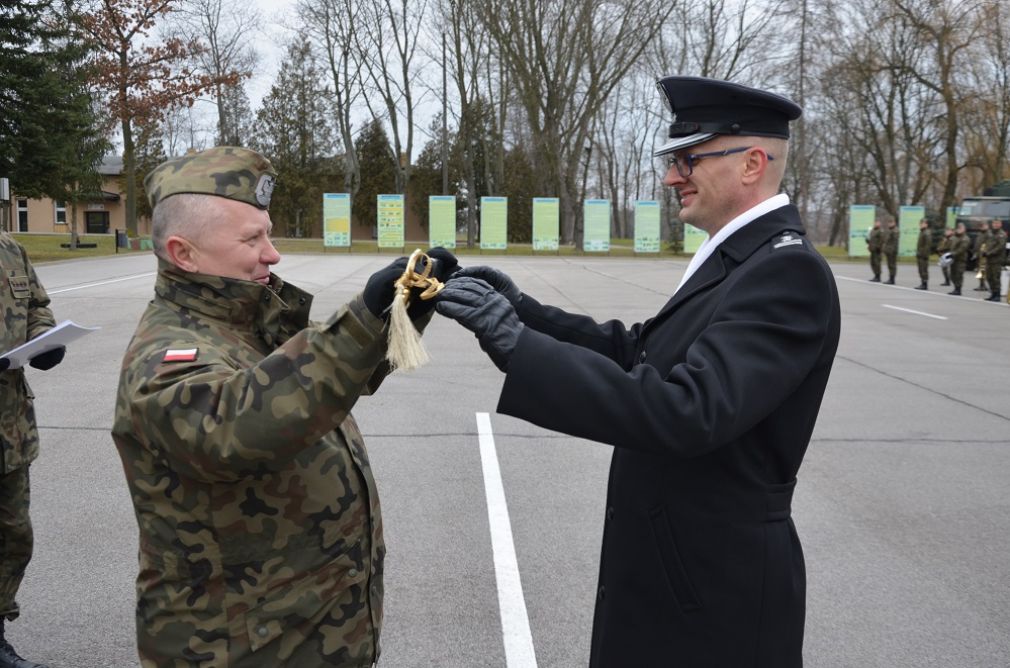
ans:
(260, 529)
(875, 243)
(960, 246)
(995, 257)
(942, 248)
(890, 248)
(923, 248)
(978, 252)
(26, 314)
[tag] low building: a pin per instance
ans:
(104, 214)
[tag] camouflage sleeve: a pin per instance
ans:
(40, 318)
(215, 421)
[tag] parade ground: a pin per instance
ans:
(902, 504)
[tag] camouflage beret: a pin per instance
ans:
(226, 171)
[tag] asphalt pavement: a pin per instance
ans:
(903, 501)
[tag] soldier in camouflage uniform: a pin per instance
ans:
(25, 308)
(260, 531)
(943, 247)
(980, 252)
(890, 248)
(995, 259)
(923, 247)
(960, 246)
(874, 243)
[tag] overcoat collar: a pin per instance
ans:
(737, 248)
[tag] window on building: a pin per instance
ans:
(22, 214)
(61, 213)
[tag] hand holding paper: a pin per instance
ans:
(41, 351)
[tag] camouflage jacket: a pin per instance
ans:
(25, 307)
(891, 237)
(996, 251)
(875, 239)
(924, 244)
(260, 531)
(960, 244)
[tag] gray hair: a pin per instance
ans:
(186, 215)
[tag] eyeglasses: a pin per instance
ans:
(685, 163)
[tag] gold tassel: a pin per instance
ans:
(406, 351)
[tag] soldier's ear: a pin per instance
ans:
(181, 253)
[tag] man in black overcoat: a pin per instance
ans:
(709, 405)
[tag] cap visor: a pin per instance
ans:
(683, 142)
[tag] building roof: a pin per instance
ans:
(112, 165)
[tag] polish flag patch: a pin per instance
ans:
(181, 355)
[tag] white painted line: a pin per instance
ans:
(908, 310)
(515, 624)
(93, 285)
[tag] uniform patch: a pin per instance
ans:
(20, 286)
(181, 355)
(787, 239)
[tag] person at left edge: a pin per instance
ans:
(923, 248)
(26, 314)
(260, 529)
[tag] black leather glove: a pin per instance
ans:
(47, 360)
(378, 293)
(445, 265)
(474, 304)
(498, 280)
(4, 363)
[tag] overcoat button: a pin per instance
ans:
(602, 593)
(262, 632)
(641, 358)
(353, 572)
(610, 512)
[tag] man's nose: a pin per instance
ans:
(673, 177)
(270, 254)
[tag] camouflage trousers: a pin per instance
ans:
(875, 263)
(923, 263)
(993, 274)
(957, 273)
(15, 538)
(892, 264)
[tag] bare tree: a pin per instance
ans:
(224, 26)
(386, 41)
(564, 58)
(331, 24)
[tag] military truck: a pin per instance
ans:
(993, 203)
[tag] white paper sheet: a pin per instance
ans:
(60, 335)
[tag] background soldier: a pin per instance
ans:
(995, 259)
(874, 243)
(25, 308)
(891, 239)
(260, 530)
(922, 252)
(959, 248)
(942, 247)
(978, 253)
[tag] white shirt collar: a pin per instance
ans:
(709, 245)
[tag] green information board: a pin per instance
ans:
(908, 226)
(442, 221)
(336, 220)
(647, 226)
(389, 218)
(546, 216)
(596, 235)
(494, 216)
(951, 217)
(693, 238)
(861, 217)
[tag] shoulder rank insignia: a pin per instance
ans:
(183, 355)
(787, 239)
